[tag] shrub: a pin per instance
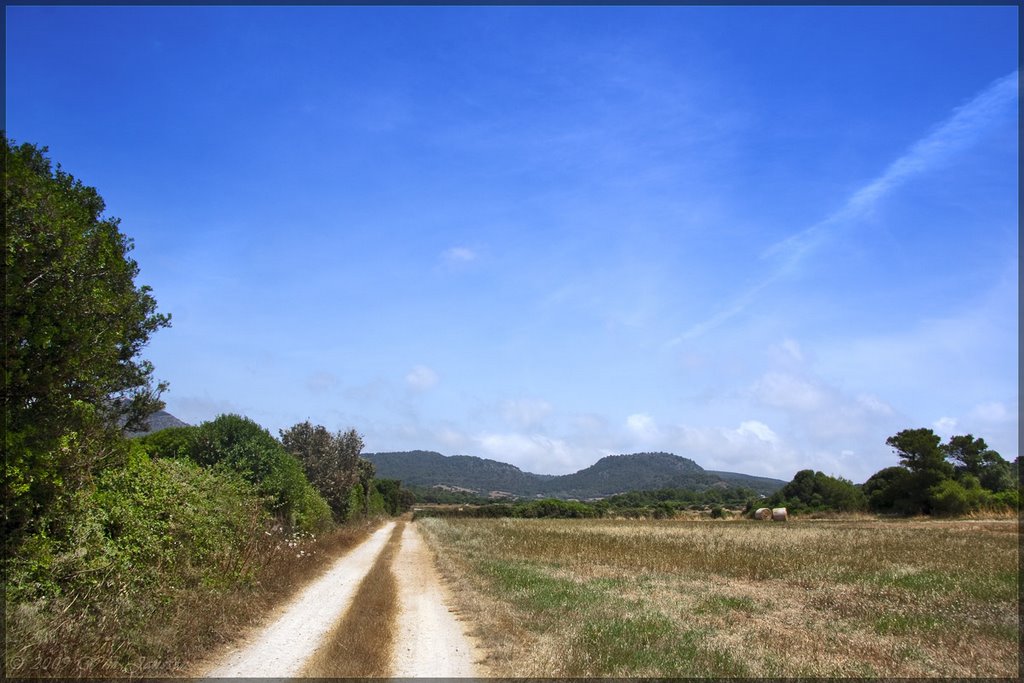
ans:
(125, 551)
(552, 507)
(356, 497)
(237, 444)
(815, 491)
(950, 498)
(1008, 500)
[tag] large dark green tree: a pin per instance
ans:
(74, 324)
(941, 479)
(921, 453)
(920, 450)
(973, 457)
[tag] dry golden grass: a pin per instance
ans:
(360, 644)
(816, 598)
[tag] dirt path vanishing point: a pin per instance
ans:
(430, 641)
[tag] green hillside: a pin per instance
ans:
(608, 476)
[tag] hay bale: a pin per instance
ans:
(780, 515)
(762, 513)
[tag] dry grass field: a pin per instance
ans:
(810, 598)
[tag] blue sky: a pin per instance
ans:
(762, 238)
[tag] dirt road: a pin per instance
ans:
(430, 641)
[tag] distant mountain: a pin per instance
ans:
(608, 476)
(161, 419)
(427, 468)
(765, 485)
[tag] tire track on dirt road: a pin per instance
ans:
(428, 639)
(281, 649)
(360, 642)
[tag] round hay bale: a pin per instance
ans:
(762, 513)
(780, 515)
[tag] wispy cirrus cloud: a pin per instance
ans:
(952, 136)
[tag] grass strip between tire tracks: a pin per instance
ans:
(360, 644)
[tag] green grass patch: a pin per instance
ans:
(723, 604)
(996, 587)
(649, 644)
(926, 582)
(624, 645)
(533, 589)
(1008, 632)
(902, 624)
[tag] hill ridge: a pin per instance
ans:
(609, 475)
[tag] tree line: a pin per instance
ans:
(960, 476)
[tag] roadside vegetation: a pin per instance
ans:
(862, 597)
(130, 557)
(194, 535)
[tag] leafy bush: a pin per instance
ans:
(138, 572)
(174, 442)
(356, 502)
(237, 444)
(1006, 500)
(950, 498)
(396, 500)
(128, 549)
(812, 491)
(152, 524)
(887, 488)
(552, 507)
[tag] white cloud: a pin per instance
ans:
(589, 423)
(642, 426)
(459, 255)
(759, 430)
(789, 392)
(792, 350)
(533, 452)
(421, 378)
(452, 438)
(873, 404)
(944, 426)
(525, 413)
(752, 448)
